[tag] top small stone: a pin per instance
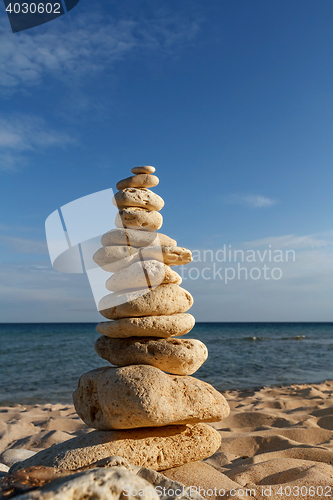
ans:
(146, 169)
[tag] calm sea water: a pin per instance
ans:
(41, 363)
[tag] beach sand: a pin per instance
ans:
(277, 442)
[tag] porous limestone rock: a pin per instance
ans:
(114, 483)
(164, 299)
(144, 396)
(157, 448)
(135, 238)
(24, 480)
(138, 181)
(136, 197)
(153, 326)
(142, 274)
(139, 218)
(178, 356)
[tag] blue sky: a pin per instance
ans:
(231, 101)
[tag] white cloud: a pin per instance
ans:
(252, 201)
(21, 134)
(85, 45)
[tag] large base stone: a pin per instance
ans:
(156, 448)
(143, 396)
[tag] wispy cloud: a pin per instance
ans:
(302, 292)
(24, 245)
(21, 134)
(252, 201)
(87, 45)
(294, 241)
(43, 294)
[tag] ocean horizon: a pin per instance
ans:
(42, 362)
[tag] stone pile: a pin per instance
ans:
(148, 397)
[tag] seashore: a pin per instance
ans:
(276, 443)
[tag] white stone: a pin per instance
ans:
(13, 455)
(142, 274)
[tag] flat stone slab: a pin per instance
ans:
(143, 169)
(152, 326)
(138, 181)
(144, 396)
(156, 448)
(178, 356)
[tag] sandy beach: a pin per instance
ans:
(276, 443)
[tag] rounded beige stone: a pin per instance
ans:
(144, 396)
(158, 448)
(164, 299)
(149, 326)
(139, 218)
(135, 238)
(145, 169)
(177, 356)
(115, 258)
(138, 181)
(135, 197)
(142, 274)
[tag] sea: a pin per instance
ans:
(41, 363)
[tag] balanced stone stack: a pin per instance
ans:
(149, 394)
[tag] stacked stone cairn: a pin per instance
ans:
(150, 401)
